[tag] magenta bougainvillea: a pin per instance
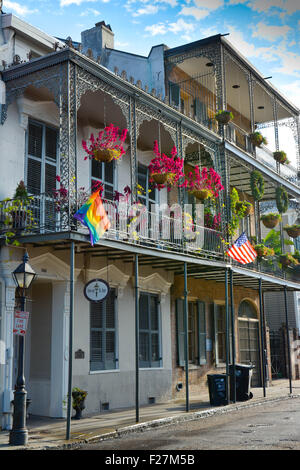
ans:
(207, 179)
(110, 138)
(161, 164)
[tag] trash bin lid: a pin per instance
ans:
(243, 366)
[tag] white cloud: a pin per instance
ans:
(270, 33)
(156, 29)
(288, 6)
(197, 13)
(15, 7)
(90, 11)
(210, 4)
(66, 3)
(181, 25)
(292, 92)
(147, 10)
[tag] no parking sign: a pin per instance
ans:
(20, 322)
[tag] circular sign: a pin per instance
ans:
(96, 290)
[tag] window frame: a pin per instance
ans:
(44, 159)
(104, 330)
(150, 364)
(102, 180)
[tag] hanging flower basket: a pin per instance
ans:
(287, 260)
(224, 117)
(201, 194)
(270, 220)
(244, 208)
(263, 251)
(165, 171)
(293, 231)
(280, 157)
(257, 139)
(106, 155)
(159, 178)
(107, 146)
(204, 184)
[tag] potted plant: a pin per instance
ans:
(263, 251)
(287, 259)
(107, 146)
(270, 220)
(164, 170)
(204, 184)
(223, 116)
(18, 210)
(257, 139)
(78, 399)
(293, 231)
(244, 208)
(280, 157)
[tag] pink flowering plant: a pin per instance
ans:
(61, 196)
(207, 182)
(211, 220)
(109, 142)
(165, 171)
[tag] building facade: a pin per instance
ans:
(178, 307)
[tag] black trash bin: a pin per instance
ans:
(243, 375)
(217, 389)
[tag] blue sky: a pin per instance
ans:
(267, 32)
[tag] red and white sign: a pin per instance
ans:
(20, 322)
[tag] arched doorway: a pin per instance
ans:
(249, 352)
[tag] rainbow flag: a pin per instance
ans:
(92, 214)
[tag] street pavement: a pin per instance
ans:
(50, 433)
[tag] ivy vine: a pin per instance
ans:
(257, 185)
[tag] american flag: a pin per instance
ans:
(242, 250)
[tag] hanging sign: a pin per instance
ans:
(20, 322)
(96, 290)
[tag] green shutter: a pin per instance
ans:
(201, 332)
(180, 331)
(174, 94)
(215, 332)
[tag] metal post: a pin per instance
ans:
(186, 340)
(19, 434)
(136, 338)
(232, 337)
(227, 336)
(69, 408)
(288, 339)
(262, 341)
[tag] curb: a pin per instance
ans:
(142, 427)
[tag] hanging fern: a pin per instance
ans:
(257, 185)
(282, 200)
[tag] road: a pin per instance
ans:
(272, 426)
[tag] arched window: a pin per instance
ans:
(247, 310)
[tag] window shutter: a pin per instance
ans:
(215, 330)
(51, 143)
(180, 331)
(50, 179)
(201, 332)
(174, 94)
(200, 110)
(34, 168)
(35, 140)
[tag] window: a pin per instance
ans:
(219, 320)
(42, 156)
(104, 172)
(196, 332)
(149, 331)
(148, 195)
(103, 353)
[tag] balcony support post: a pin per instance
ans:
(186, 340)
(232, 337)
(288, 339)
(262, 338)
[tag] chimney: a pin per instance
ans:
(96, 39)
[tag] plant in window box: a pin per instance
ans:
(270, 220)
(287, 260)
(107, 146)
(257, 139)
(165, 171)
(281, 157)
(205, 184)
(223, 116)
(19, 210)
(293, 231)
(78, 401)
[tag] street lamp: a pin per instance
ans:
(23, 277)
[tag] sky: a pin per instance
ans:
(266, 32)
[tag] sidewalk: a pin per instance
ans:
(50, 433)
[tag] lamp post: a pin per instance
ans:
(23, 277)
